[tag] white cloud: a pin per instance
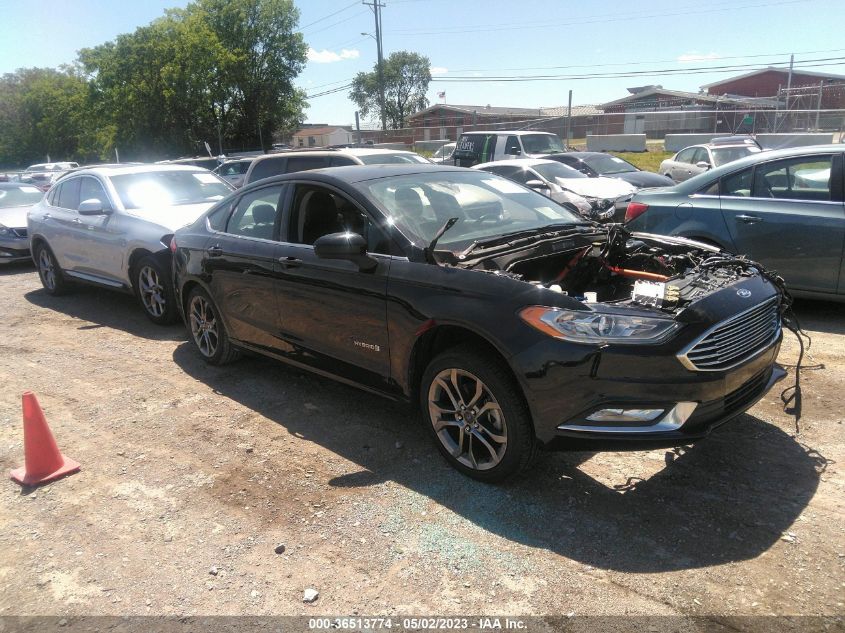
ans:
(698, 57)
(439, 70)
(329, 57)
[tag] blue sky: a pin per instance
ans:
(470, 40)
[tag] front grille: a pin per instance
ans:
(735, 340)
(18, 232)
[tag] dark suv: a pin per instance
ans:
(511, 321)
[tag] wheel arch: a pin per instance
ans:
(137, 254)
(441, 338)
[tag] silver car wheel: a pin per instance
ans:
(46, 270)
(152, 291)
(203, 326)
(467, 419)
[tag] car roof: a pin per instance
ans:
(119, 170)
(360, 173)
(516, 162)
(508, 132)
(753, 159)
(339, 151)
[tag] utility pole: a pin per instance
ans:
(819, 104)
(376, 6)
(568, 120)
(789, 87)
(358, 127)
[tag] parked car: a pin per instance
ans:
(234, 171)
(304, 160)
(485, 147)
(782, 208)
(595, 164)
(697, 159)
(111, 226)
(206, 162)
(444, 154)
(514, 323)
(599, 199)
(43, 175)
(15, 200)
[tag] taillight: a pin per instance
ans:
(635, 210)
(173, 244)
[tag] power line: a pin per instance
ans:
(810, 63)
(333, 24)
(656, 61)
(326, 17)
(329, 92)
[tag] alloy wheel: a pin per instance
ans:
(467, 419)
(204, 326)
(152, 291)
(46, 270)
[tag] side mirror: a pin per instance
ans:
(349, 246)
(536, 184)
(93, 206)
(703, 164)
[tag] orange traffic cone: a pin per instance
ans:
(43, 460)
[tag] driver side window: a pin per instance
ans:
(685, 156)
(318, 211)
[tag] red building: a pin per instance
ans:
(772, 82)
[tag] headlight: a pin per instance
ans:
(579, 326)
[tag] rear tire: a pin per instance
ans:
(208, 334)
(476, 414)
(49, 271)
(154, 291)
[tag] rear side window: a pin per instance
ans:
(475, 148)
(512, 146)
(304, 163)
(342, 161)
(68, 197)
(737, 184)
(268, 167)
(255, 213)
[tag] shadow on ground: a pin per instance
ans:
(16, 268)
(107, 308)
(820, 316)
(728, 498)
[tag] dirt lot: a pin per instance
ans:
(193, 475)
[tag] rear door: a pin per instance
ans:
(240, 261)
(792, 220)
(333, 315)
(63, 225)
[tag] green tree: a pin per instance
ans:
(43, 112)
(406, 79)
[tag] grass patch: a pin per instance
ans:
(647, 161)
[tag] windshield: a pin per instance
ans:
(607, 164)
(552, 170)
(542, 144)
(387, 159)
(19, 196)
(486, 206)
(725, 155)
(445, 151)
(168, 188)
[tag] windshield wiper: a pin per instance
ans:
(428, 251)
(507, 239)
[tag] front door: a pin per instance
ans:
(788, 215)
(102, 238)
(332, 314)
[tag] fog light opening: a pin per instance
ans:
(625, 415)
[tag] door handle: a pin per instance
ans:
(47, 216)
(749, 219)
(76, 221)
(290, 262)
(214, 251)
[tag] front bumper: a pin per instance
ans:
(13, 248)
(564, 394)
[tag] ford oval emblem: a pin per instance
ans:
(742, 292)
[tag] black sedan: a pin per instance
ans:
(596, 164)
(512, 322)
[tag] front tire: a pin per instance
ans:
(50, 272)
(208, 334)
(155, 291)
(476, 414)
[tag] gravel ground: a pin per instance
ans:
(192, 476)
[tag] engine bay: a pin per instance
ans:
(612, 265)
